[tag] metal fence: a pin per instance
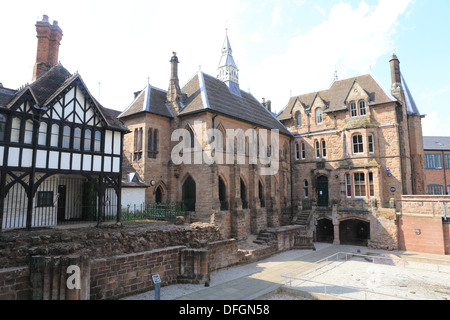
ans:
(152, 211)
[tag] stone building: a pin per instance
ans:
(224, 126)
(437, 165)
(356, 148)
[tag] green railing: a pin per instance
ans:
(152, 211)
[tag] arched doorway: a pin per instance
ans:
(322, 191)
(158, 195)
(189, 194)
(244, 195)
(354, 232)
(325, 231)
(223, 195)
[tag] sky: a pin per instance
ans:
(282, 48)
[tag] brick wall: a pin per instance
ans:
(429, 237)
(14, 283)
(421, 226)
(116, 277)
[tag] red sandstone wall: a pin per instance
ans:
(430, 239)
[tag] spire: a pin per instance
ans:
(174, 91)
(228, 71)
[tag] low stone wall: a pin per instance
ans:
(117, 277)
(14, 283)
(105, 275)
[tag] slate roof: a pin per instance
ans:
(337, 94)
(207, 93)
(436, 143)
(150, 99)
(130, 178)
(6, 95)
(47, 87)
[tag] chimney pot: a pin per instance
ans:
(45, 18)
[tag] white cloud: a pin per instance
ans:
(351, 39)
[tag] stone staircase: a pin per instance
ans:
(264, 237)
(302, 218)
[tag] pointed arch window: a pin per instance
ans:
(305, 189)
(152, 143)
(244, 195)
(261, 194)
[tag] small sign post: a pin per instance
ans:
(157, 282)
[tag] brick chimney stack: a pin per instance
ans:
(395, 73)
(49, 39)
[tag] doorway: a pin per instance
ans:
(354, 232)
(322, 191)
(325, 231)
(189, 194)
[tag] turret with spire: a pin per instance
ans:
(228, 71)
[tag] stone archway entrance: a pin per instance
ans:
(354, 232)
(325, 231)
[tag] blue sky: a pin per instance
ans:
(282, 47)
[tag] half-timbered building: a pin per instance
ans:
(60, 150)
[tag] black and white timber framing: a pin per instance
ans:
(60, 154)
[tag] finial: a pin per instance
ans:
(335, 74)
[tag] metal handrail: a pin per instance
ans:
(314, 266)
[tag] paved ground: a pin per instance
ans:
(267, 278)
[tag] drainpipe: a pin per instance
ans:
(445, 174)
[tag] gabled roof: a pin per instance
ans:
(436, 143)
(48, 86)
(337, 94)
(207, 93)
(150, 99)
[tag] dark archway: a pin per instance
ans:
(354, 232)
(189, 194)
(244, 195)
(223, 195)
(261, 194)
(158, 195)
(325, 231)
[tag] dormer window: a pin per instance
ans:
(358, 110)
(319, 118)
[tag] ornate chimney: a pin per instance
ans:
(49, 39)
